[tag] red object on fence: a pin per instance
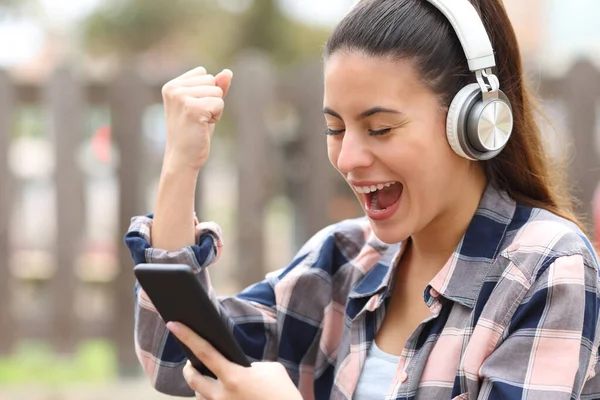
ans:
(101, 143)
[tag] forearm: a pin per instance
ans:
(173, 226)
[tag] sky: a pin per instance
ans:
(571, 25)
(21, 40)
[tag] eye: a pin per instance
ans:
(331, 132)
(379, 132)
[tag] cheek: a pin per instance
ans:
(423, 154)
(436, 149)
(429, 162)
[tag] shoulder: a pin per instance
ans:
(348, 246)
(540, 238)
(349, 237)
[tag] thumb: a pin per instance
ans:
(223, 80)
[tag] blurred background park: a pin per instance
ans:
(81, 141)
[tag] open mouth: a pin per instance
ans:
(382, 197)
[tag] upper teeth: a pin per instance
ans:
(371, 189)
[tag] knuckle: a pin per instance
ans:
(198, 349)
(173, 92)
(202, 353)
(232, 380)
(167, 89)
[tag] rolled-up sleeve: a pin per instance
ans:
(158, 352)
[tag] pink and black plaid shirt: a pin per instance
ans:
(514, 312)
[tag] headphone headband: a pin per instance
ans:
(470, 31)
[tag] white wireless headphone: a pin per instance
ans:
(480, 119)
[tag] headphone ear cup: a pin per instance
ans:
(489, 126)
(459, 108)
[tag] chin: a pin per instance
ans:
(390, 233)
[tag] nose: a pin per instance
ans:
(354, 153)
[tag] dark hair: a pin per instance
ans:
(415, 30)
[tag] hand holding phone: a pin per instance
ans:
(178, 296)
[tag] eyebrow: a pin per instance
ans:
(370, 112)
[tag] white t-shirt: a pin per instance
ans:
(377, 375)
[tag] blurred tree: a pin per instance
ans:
(11, 7)
(9, 3)
(192, 30)
(133, 26)
(265, 27)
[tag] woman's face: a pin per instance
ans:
(388, 140)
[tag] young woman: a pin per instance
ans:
(469, 277)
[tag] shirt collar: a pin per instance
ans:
(462, 277)
(378, 279)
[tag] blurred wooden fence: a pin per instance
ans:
(269, 156)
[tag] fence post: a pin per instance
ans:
(580, 91)
(250, 95)
(128, 97)
(7, 107)
(311, 178)
(64, 98)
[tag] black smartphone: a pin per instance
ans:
(178, 296)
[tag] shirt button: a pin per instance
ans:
(403, 377)
(434, 293)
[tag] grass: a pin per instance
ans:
(36, 363)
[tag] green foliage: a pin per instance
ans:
(265, 27)
(34, 362)
(133, 26)
(29, 122)
(10, 8)
(10, 3)
(198, 31)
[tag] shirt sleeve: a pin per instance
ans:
(156, 348)
(550, 348)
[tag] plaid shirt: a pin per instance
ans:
(514, 312)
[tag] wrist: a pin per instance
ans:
(175, 168)
(177, 180)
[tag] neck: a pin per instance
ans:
(433, 245)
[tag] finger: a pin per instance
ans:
(205, 352)
(198, 71)
(204, 80)
(223, 80)
(205, 387)
(171, 88)
(206, 110)
(199, 92)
